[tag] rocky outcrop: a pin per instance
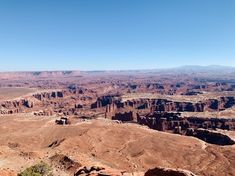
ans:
(49, 95)
(103, 101)
(56, 143)
(162, 121)
(213, 137)
(58, 94)
(65, 163)
(168, 172)
(209, 105)
(197, 127)
(94, 170)
(172, 120)
(155, 86)
(78, 106)
(47, 112)
(10, 111)
(124, 117)
(27, 103)
(15, 106)
(212, 123)
(76, 90)
(166, 105)
(46, 104)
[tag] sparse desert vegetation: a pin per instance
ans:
(40, 169)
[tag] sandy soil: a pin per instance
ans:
(14, 92)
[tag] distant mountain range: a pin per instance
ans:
(183, 69)
(204, 68)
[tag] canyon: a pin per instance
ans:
(118, 123)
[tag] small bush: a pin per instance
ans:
(40, 169)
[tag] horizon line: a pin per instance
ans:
(110, 70)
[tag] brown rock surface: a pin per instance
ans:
(64, 163)
(126, 147)
(167, 172)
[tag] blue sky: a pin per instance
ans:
(115, 34)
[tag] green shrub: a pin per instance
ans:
(40, 169)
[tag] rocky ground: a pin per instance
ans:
(117, 123)
(128, 148)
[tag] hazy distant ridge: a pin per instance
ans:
(182, 69)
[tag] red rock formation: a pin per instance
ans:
(213, 137)
(15, 106)
(168, 172)
(126, 116)
(168, 106)
(49, 95)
